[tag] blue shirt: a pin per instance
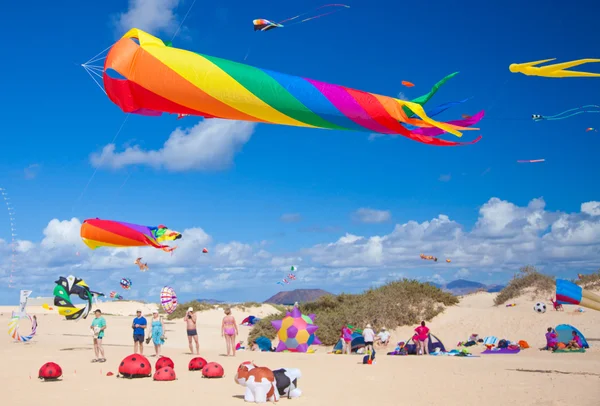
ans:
(138, 330)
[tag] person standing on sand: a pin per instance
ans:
(346, 337)
(98, 326)
(158, 332)
(229, 330)
(369, 336)
(192, 333)
(139, 326)
(422, 339)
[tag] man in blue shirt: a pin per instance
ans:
(138, 326)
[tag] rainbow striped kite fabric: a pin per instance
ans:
(107, 233)
(144, 76)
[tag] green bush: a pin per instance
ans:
(182, 309)
(395, 304)
(528, 277)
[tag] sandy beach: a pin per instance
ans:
(327, 379)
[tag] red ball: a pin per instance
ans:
(164, 362)
(50, 371)
(213, 370)
(165, 374)
(135, 366)
(197, 364)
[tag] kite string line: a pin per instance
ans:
(182, 21)
(100, 163)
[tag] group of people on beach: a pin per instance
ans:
(157, 331)
(382, 339)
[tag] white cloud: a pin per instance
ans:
(291, 217)
(402, 96)
(209, 145)
(591, 208)
(152, 16)
(504, 237)
(445, 178)
(366, 215)
(462, 273)
(31, 171)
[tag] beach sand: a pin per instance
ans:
(327, 379)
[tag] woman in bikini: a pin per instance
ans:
(229, 330)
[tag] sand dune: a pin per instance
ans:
(523, 379)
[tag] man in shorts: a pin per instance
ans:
(139, 325)
(192, 333)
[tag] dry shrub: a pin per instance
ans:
(528, 277)
(182, 309)
(591, 281)
(395, 304)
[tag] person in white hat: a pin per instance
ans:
(383, 337)
(369, 336)
(192, 333)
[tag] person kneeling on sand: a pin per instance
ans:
(551, 340)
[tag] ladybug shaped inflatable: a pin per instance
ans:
(213, 370)
(164, 362)
(197, 364)
(165, 374)
(50, 372)
(135, 366)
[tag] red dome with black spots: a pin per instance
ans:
(213, 370)
(197, 364)
(165, 374)
(50, 371)
(135, 366)
(164, 362)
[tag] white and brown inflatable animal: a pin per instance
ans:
(259, 382)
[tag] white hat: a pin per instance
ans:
(190, 309)
(138, 311)
(155, 311)
(383, 328)
(368, 326)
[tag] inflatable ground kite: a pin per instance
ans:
(13, 329)
(65, 287)
(107, 233)
(143, 75)
(296, 332)
(570, 293)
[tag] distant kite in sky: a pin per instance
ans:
(429, 257)
(590, 108)
(407, 84)
(572, 294)
(553, 71)
(126, 283)
(143, 267)
(587, 130)
(261, 24)
(205, 250)
(156, 78)
(530, 161)
(107, 233)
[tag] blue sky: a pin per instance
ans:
(55, 119)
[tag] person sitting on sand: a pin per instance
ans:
(229, 330)
(383, 338)
(422, 338)
(575, 342)
(551, 340)
(369, 336)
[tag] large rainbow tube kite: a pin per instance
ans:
(144, 76)
(107, 233)
(570, 293)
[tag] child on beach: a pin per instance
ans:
(229, 330)
(98, 326)
(575, 342)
